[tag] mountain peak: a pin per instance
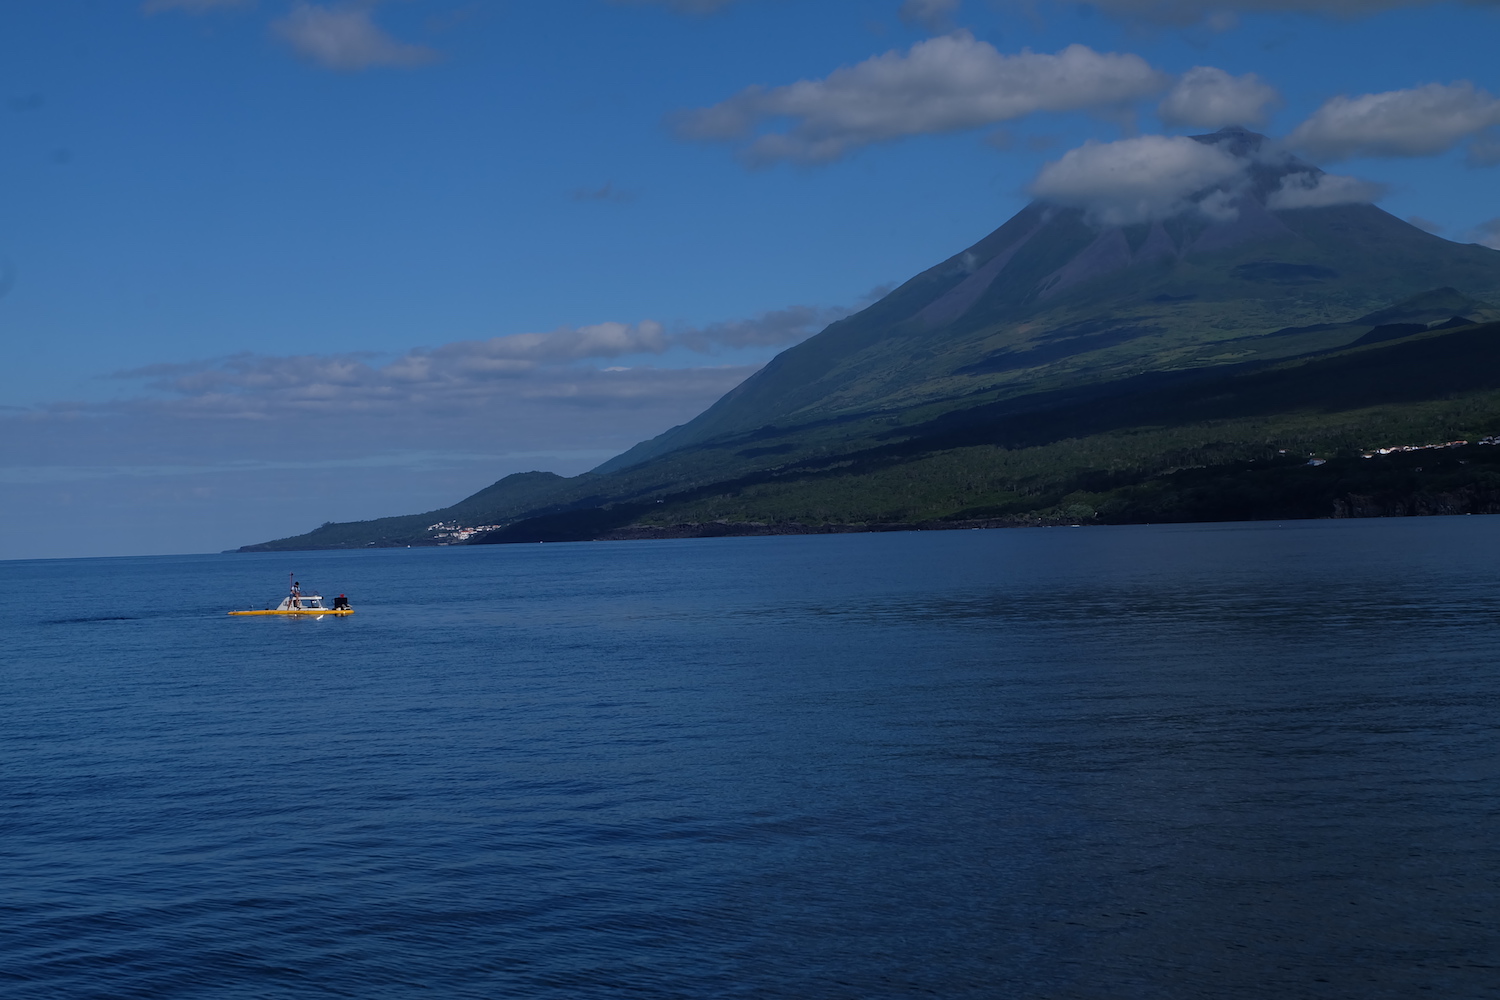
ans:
(1236, 140)
(1051, 300)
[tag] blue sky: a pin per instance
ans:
(270, 263)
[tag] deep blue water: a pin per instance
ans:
(1216, 761)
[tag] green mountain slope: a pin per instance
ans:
(1051, 322)
(1232, 446)
(1262, 300)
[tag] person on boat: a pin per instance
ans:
(341, 603)
(296, 595)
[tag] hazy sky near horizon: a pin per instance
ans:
(267, 263)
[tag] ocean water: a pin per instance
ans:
(1217, 761)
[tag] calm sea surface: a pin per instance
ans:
(1221, 761)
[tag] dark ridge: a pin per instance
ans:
(1453, 323)
(1315, 328)
(1055, 350)
(1391, 331)
(1425, 307)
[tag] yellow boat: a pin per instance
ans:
(310, 606)
(298, 603)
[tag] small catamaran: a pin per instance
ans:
(298, 603)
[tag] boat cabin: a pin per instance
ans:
(307, 602)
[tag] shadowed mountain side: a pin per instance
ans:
(1425, 366)
(803, 374)
(1261, 300)
(1206, 436)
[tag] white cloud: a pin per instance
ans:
(1208, 97)
(345, 38)
(940, 85)
(529, 365)
(450, 373)
(453, 380)
(772, 329)
(1132, 180)
(1487, 234)
(1155, 177)
(1416, 122)
(522, 351)
(1218, 206)
(1306, 189)
(934, 15)
(1220, 11)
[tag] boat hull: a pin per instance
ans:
(299, 611)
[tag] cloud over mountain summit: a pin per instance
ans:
(1151, 176)
(1155, 177)
(1208, 97)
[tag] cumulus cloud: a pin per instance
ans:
(521, 351)
(772, 329)
(1132, 180)
(1208, 97)
(1416, 122)
(455, 379)
(459, 373)
(1307, 189)
(449, 371)
(934, 15)
(1487, 234)
(940, 85)
(1194, 11)
(345, 38)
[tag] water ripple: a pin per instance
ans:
(1213, 761)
